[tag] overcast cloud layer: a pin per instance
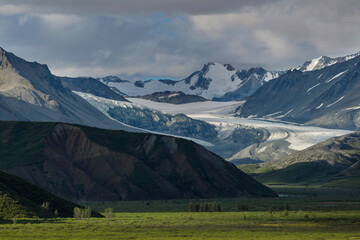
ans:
(172, 38)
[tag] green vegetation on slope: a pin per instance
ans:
(333, 163)
(19, 198)
(22, 142)
(303, 174)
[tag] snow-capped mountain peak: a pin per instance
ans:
(214, 81)
(324, 61)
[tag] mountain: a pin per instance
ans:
(327, 97)
(84, 163)
(324, 61)
(172, 97)
(92, 86)
(19, 198)
(214, 81)
(333, 163)
(29, 92)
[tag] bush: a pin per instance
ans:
(109, 213)
(205, 207)
(86, 213)
(45, 210)
(56, 213)
(77, 213)
(82, 213)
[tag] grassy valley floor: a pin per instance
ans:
(225, 225)
(306, 213)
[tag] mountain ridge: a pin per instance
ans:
(326, 97)
(84, 163)
(220, 82)
(29, 92)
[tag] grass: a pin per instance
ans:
(313, 213)
(186, 225)
(298, 198)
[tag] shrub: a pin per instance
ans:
(45, 210)
(56, 213)
(82, 213)
(77, 213)
(109, 214)
(205, 207)
(86, 213)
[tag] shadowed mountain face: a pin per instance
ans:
(333, 163)
(78, 162)
(328, 97)
(29, 92)
(92, 86)
(173, 97)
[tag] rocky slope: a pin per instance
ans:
(29, 92)
(92, 86)
(327, 97)
(78, 162)
(214, 81)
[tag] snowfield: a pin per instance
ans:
(221, 115)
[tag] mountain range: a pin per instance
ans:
(327, 97)
(321, 92)
(220, 82)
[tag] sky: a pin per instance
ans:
(141, 39)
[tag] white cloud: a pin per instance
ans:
(175, 37)
(60, 21)
(10, 9)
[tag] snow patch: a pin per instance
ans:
(352, 108)
(335, 102)
(174, 95)
(336, 76)
(313, 87)
(318, 107)
(284, 115)
(313, 64)
(262, 149)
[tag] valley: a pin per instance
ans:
(180, 119)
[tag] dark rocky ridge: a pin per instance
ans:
(173, 97)
(78, 162)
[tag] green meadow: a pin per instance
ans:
(316, 214)
(190, 225)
